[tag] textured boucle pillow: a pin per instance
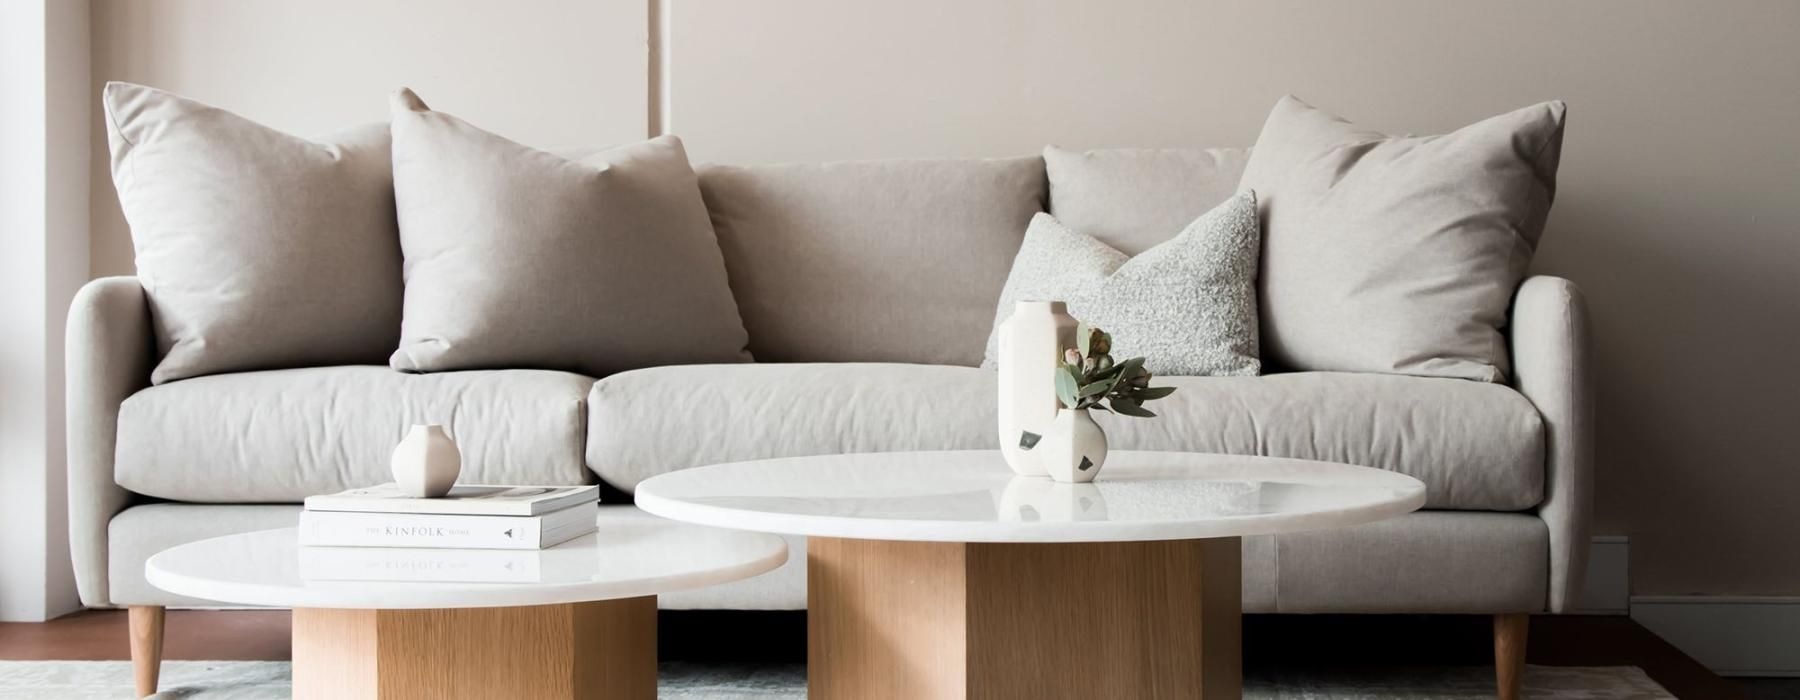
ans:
(520, 258)
(1188, 304)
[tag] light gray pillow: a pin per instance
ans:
(519, 258)
(1398, 254)
(1134, 198)
(257, 249)
(1187, 305)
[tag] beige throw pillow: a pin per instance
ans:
(519, 258)
(257, 249)
(1398, 254)
(1187, 305)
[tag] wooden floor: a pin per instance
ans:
(99, 635)
(1285, 640)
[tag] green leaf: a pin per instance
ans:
(1083, 338)
(1095, 389)
(1124, 406)
(1065, 386)
(1152, 393)
(1118, 381)
(1105, 363)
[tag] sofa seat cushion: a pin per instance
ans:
(280, 436)
(1476, 446)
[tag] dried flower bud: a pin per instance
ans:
(1071, 356)
(1100, 343)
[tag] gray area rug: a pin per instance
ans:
(268, 680)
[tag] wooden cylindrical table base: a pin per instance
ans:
(913, 620)
(604, 649)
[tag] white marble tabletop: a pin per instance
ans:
(972, 496)
(631, 555)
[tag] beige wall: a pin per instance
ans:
(1679, 210)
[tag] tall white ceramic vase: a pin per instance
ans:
(427, 462)
(1031, 341)
(1073, 448)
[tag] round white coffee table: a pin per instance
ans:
(944, 575)
(577, 620)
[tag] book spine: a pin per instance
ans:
(344, 529)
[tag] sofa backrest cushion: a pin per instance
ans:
(1398, 254)
(1135, 198)
(519, 258)
(257, 249)
(889, 261)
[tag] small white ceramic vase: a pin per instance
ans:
(1074, 447)
(1031, 341)
(427, 462)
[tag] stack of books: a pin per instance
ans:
(470, 517)
(476, 534)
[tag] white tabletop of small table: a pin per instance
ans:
(972, 496)
(631, 555)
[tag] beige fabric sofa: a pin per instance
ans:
(868, 328)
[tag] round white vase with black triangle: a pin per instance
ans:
(1073, 448)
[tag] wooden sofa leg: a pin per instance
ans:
(1509, 653)
(146, 646)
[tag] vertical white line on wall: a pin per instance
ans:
(658, 78)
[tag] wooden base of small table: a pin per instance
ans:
(1086, 620)
(604, 649)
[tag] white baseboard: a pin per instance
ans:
(1732, 635)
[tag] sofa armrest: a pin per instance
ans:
(1553, 367)
(110, 351)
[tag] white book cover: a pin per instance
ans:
(464, 499)
(347, 529)
(421, 565)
